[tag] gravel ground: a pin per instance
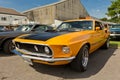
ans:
(103, 65)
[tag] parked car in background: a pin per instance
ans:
(72, 42)
(1, 28)
(6, 28)
(115, 31)
(6, 37)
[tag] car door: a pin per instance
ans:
(100, 33)
(97, 35)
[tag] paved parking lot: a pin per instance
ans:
(103, 65)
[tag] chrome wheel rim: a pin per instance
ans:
(11, 47)
(85, 58)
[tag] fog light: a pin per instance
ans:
(47, 50)
(66, 49)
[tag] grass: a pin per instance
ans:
(115, 44)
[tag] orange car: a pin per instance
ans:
(71, 42)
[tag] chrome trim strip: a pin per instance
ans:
(33, 53)
(33, 43)
(114, 34)
(48, 59)
(43, 59)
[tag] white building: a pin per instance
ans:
(11, 17)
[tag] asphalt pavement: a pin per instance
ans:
(103, 65)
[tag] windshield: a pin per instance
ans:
(24, 28)
(42, 28)
(75, 26)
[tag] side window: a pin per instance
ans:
(40, 28)
(98, 24)
(64, 26)
(102, 26)
(49, 28)
(25, 28)
(3, 19)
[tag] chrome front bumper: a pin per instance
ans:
(43, 59)
(114, 34)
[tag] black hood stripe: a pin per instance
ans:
(44, 36)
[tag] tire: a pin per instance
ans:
(8, 46)
(106, 44)
(81, 61)
(34, 65)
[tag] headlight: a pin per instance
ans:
(66, 49)
(47, 50)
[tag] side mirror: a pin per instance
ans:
(97, 28)
(106, 30)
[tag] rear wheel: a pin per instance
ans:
(8, 46)
(81, 61)
(106, 44)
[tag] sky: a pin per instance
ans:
(96, 8)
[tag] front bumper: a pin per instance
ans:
(41, 59)
(114, 35)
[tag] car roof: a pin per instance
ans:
(85, 19)
(36, 24)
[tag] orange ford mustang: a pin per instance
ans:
(71, 42)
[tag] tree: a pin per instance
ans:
(114, 11)
(104, 19)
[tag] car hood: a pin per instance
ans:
(43, 36)
(115, 29)
(54, 38)
(11, 33)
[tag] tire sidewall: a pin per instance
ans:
(76, 64)
(8, 46)
(108, 43)
(81, 55)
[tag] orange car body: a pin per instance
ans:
(94, 38)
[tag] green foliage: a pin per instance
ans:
(115, 43)
(114, 11)
(104, 19)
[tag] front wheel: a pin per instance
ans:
(81, 61)
(8, 46)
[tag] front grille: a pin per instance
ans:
(116, 32)
(32, 48)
